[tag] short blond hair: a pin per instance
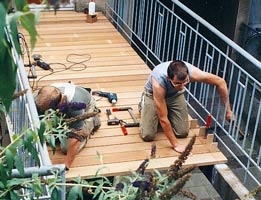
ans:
(47, 97)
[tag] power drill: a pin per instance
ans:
(112, 97)
(39, 62)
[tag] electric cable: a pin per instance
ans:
(25, 51)
(72, 64)
(71, 67)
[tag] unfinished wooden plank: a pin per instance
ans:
(213, 147)
(79, 80)
(210, 138)
(160, 163)
(117, 157)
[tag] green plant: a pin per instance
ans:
(154, 185)
(53, 126)
(140, 185)
(9, 31)
(252, 194)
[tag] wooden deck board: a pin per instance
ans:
(112, 66)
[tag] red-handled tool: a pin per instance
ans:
(121, 109)
(208, 122)
(123, 129)
(129, 109)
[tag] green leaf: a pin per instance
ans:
(16, 182)
(21, 5)
(19, 165)
(34, 153)
(98, 170)
(51, 142)
(55, 194)
(1, 185)
(107, 181)
(29, 136)
(75, 192)
(41, 131)
(97, 191)
(9, 160)
(7, 75)
(3, 174)
(28, 23)
(14, 33)
(53, 188)
(2, 21)
(14, 195)
(101, 197)
(5, 3)
(37, 188)
(35, 136)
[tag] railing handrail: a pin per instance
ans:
(144, 24)
(219, 34)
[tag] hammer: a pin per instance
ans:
(112, 120)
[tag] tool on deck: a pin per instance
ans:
(112, 120)
(123, 128)
(39, 62)
(112, 97)
(115, 121)
(208, 122)
(130, 110)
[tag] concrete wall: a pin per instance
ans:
(255, 14)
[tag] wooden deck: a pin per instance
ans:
(115, 67)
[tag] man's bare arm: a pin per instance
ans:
(159, 98)
(198, 75)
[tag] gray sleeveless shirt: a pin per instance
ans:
(160, 74)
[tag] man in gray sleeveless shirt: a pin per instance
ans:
(163, 100)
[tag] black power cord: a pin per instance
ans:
(73, 66)
(25, 51)
(40, 63)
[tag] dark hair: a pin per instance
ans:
(54, 103)
(177, 68)
(48, 97)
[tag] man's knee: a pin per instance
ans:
(181, 133)
(146, 136)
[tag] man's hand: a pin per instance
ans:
(179, 148)
(230, 116)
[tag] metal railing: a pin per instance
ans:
(167, 30)
(23, 115)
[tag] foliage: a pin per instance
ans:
(252, 194)
(151, 185)
(9, 38)
(154, 185)
(10, 159)
(141, 185)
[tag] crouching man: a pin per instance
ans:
(72, 101)
(163, 100)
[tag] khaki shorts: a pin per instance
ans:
(177, 115)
